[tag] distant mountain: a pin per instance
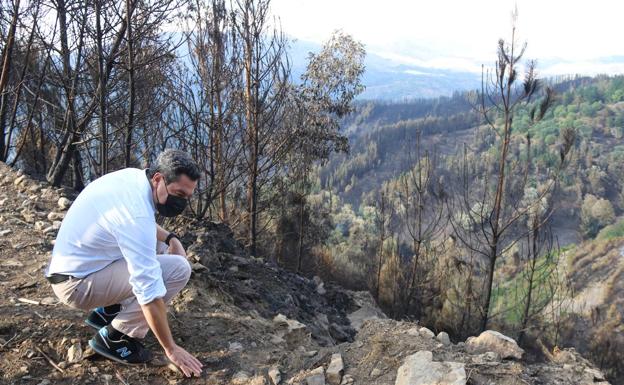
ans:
(386, 79)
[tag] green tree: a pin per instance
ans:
(596, 213)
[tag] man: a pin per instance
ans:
(105, 258)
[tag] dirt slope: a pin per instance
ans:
(244, 318)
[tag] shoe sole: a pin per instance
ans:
(101, 352)
(93, 325)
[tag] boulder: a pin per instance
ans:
(335, 370)
(443, 337)
(493, 341)
(295, 333)
(420, 369)
(423, 331)
(368, 309)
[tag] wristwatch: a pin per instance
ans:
(171, 235)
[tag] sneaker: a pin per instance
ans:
(102, 316)
(121, 348)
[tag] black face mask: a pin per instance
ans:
(174, 205)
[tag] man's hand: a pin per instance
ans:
(175, 247)
(185, 361)
(155, 314)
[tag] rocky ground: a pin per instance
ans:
(247, 320)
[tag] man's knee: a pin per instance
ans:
(179, 267)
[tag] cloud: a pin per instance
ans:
(460, 35)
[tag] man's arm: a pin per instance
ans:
(155, 314)
(175, 246)
(161, 234)
(137, 248)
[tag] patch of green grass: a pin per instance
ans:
(615, 230)
(509, 297)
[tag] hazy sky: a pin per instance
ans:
(567, 36)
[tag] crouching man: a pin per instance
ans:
(105, 257)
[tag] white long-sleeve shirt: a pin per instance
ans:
(112, 218)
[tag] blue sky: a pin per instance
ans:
(566, 37)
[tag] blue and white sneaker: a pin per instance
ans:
(119, 347)
(102, 316)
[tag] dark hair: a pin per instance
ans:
(173, 163)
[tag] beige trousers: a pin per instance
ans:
(111, 285)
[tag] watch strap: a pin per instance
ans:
(170, 236)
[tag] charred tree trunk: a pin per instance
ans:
(7, 56)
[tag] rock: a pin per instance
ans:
(277, 339)
(11, 263)
(5, 232)
(564, 356)
(316, 377)
(257, 380)
(18, 181)
(320, 286)
(64, 203)
(444, 338)
(423, 331)
(54, 216)
(198, 267)
(275, 376)
(74, 353)
(420, 369)
(596, 374)
(49, 301)
(235, 347)
(335, 370)
(296, 333)
(487, 358)
(28, 216)
(171, 366)
(40, 225)
(368, 309)
(310, 353)
(240, 377)
(376, 372)
(347, 380)
(493, 341)
(34, 188)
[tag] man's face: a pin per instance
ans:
(183, 187)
